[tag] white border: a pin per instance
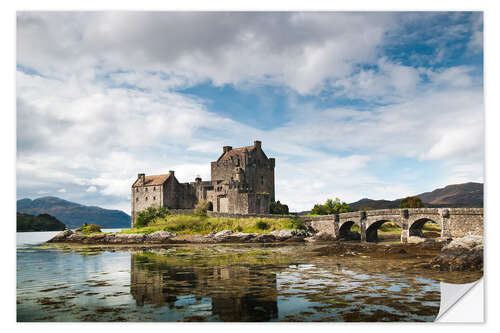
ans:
(7, 132)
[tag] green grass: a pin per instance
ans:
(193, 224)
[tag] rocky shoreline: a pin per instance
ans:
(165, 237)
(456, 255)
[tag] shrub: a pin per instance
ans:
(331, 207)
(90, 228)
(278, 208)
(202, 207)
(261, 225)
(148, 215)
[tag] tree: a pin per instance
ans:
(278, 208)
(202, 207)
(149, 214)
(411, 202)
(331, 207)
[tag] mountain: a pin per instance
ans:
(42, 222)
(73, 214)
(456, 195)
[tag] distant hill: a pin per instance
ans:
(73, 214)
(457, 195)
(42, 222)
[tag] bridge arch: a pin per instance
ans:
(373, 226)
(345, 230)
(416, 225)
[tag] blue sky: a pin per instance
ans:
(351, 105)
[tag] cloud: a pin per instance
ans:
(91, 189)
(62, 190)
(296, 49)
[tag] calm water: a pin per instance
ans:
(214, 283)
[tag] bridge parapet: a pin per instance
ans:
(319, 218)
(432, 211)
(350, 215)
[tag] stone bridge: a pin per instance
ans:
(454, 222)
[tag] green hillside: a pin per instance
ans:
(42, 222)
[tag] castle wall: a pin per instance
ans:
(144, 197)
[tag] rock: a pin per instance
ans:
(465, 243)
(61, 236)
(264, 238)
(290, 234)
(321, 236)
(222, 236)
(129, 238)
(415, 240)
(461, 254)
(241, 237)
(160, 236)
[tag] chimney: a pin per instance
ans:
(142, 178)
(225, 149)
(257, 144)
(171, 173)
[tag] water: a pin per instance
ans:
(214, 283)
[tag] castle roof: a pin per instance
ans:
(235, 152)
(152, 180)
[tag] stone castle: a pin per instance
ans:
(242, 182)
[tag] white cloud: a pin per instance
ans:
(91, 189)
(296, 49)
(62, 190)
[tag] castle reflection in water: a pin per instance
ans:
(236, 292)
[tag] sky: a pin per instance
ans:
(352, 105)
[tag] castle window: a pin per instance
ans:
(146, 189)
(137, 199)
(137, 189)
(154, 198)
(146, 198)
(262, 180)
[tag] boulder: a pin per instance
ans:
(460, 255)
(290, 234)
(415, 240)
(321, 236)
(76, 237)
(222, 236)
(160, 236)
(241, 237)
(129, 238)
(264, 238)
(61, 236)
